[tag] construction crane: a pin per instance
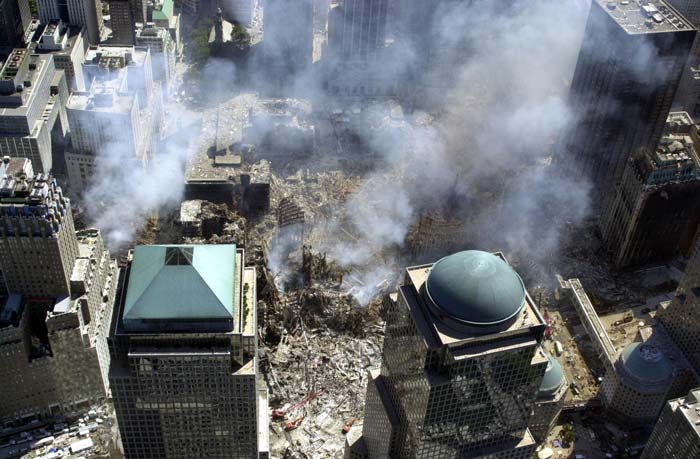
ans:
(278, 415)
(291, 425)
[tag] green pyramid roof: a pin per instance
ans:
(180, 282)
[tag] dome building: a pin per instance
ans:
(550, 398)
(638, 388)
(461, 365)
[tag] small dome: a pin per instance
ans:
(477, 289)
(552, 380)
(646, 363)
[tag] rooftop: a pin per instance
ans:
(553, 378)
(115, 57)
(690, 408)
(180, 284)
(36, 197)
(643, 17)
(164, 12)
(447, 330)
(104, 96)
(646, 363)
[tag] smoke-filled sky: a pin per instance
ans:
(491, 102)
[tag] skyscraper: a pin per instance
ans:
(626, 77)
(14, 19)
(682, 316)
(356, 29)
(461, 365)
(184, 370)
(288, 38)
(62, 285)
(655, 211)
(67, 45)
(677, 432)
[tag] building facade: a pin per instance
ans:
(163, 50)
(677, 432)
(461, 365)
(62, 285)
(626, 77)
(356, 29)
(121, 13)
(655, 211)
(184, 370)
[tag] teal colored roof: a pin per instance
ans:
(646, 363)
(165, 12)
(177, 282)
(476, 288)
(553, 377)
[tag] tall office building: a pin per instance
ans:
(84, 13)
(33, 96)
(626, 77)
(62, 284)
(14, 19)
(688, 94)
(184, 370)
(677, 432)
(461, 365)
(681, 317)
(117, 117)
(288, 37)
(123, 20)
(356, 29)
(655, 210)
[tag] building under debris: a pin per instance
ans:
(655, 211)
(184, 368)
(62, 284)
(463, 322)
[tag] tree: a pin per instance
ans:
(240, 35)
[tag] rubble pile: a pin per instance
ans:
(317, 370)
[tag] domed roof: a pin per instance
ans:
(646, 363)
(476, 288)
(552, 379)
